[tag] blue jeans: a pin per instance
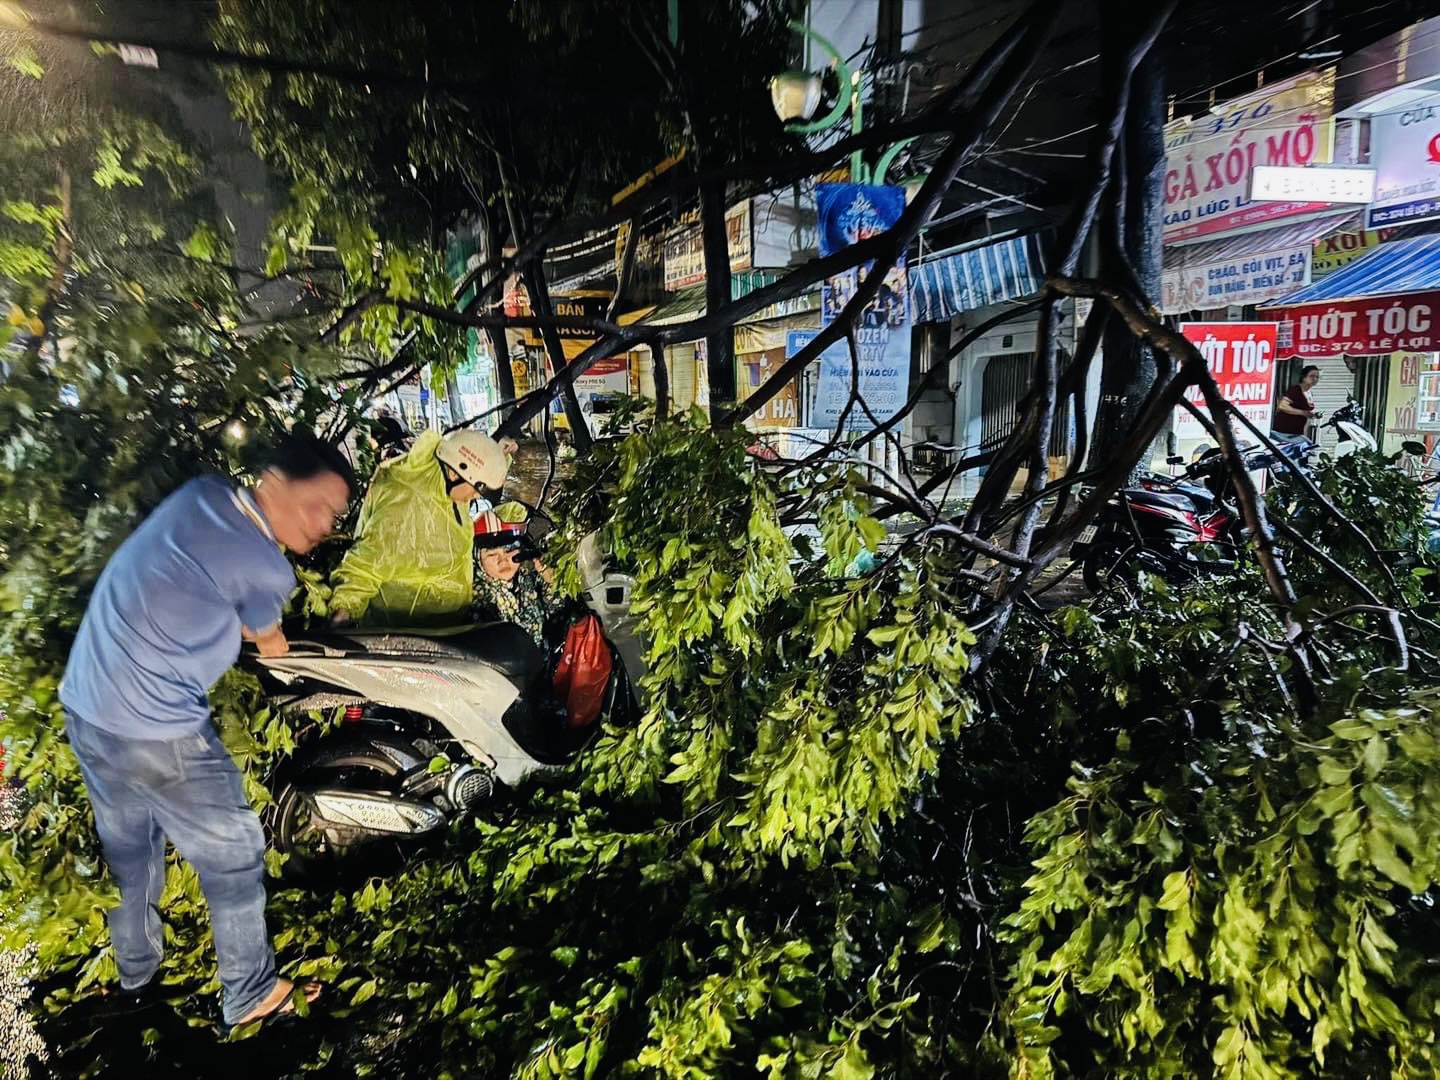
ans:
(189, 790)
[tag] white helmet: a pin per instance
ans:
(476, 458)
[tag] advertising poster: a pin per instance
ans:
(849, 213)
(756, 368)
(1242, 360)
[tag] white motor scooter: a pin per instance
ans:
(433, 721)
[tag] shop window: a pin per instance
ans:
(1427, 402)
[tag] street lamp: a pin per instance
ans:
(796, 95)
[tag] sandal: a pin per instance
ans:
(283, 1010)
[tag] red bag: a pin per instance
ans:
(583, 673)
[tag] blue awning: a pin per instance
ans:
(1393, 269)
(944, 287)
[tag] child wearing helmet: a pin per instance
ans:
(411, 562)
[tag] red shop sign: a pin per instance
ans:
(1241, 356)
(1374, 326)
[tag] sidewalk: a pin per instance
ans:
(19, 1042)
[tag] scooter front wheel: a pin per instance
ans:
(317, 846)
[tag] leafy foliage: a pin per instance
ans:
(1233, 890)
(826, 849)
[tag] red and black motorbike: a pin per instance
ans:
(1176, 528)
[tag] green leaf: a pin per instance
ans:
(365, 992)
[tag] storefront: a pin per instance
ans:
(1377, 320)
(1229, 254)
(977, 407)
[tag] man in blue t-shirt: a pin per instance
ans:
(204, 570)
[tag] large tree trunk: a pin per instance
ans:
(719, 346)
(1136, 208)
(504, 375)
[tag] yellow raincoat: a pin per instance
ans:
(411, 563)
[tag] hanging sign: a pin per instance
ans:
(1208, 159)
(849, 213)
(685, 250)
(1242, 360)
(1405, 147)
(1280, 183)
(1342, 248)
(1370, 327)
(1252, 279)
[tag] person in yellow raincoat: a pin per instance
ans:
(411, 564)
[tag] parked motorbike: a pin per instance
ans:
(1173, 527)
(433, 722)
(1349, 424)
(1180, 527)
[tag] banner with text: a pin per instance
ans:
(1405, 147)
(1242, 360)
(1208, 159)
(755, 369)
(1342, 248)
(849, 213)
(1250, 279)
(1370, 327)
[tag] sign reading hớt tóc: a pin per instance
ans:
(1241, 357)
(1361, 327)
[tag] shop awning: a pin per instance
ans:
(1253, 268)
(1398, 268)
(944, 287)
(682, 306)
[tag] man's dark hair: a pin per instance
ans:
(1309, 368)
(301, 456)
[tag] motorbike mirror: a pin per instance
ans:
(1410, 446)
(1174, 459)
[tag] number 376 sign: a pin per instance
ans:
(1242, 360)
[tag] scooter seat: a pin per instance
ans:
(1203, 498)
(1167, 499)
(504, 646)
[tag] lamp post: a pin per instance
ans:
(796, 95)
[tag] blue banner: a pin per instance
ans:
(849, 213)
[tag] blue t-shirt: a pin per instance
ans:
(164, 622)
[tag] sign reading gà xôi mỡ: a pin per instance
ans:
(1208, 159)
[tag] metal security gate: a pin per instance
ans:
(1365, 378)
(1005, 383)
